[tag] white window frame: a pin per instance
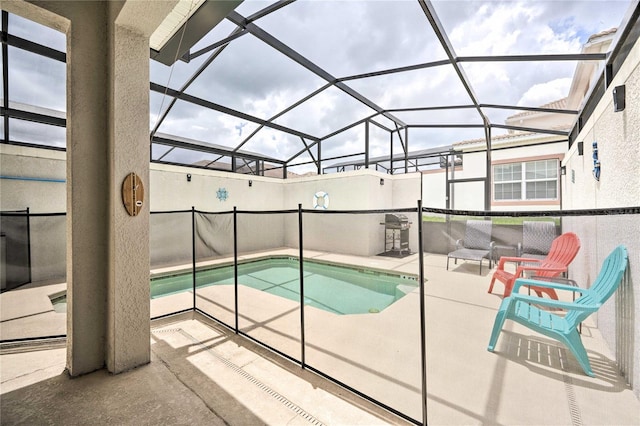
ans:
(523, 181)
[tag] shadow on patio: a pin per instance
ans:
(203, 373)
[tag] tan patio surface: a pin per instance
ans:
(203, 373)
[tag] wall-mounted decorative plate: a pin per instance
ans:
(222, 194)
(132, 194)
(320, 200)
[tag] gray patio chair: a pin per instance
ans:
(477, 244)
(536, 239)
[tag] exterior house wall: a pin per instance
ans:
(474, 165)
(470, 195)
(523, 154)
(433, 189)
(465, 196)
(619, 186)
(542, 120)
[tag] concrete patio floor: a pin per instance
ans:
(203, 373)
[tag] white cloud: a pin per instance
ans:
(496, 29)
(540, 94)
(351, 37)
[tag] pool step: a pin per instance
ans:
(403, 289)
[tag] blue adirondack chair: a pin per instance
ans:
(520, 308)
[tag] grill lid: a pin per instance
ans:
(395, 218)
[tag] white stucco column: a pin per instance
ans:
(128, 312)
(88, 162)
(127, 342)
(107, 138)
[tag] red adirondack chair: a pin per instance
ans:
(563, 250)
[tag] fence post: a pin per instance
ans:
(302, 343)
(235, 264)
(193, 253)
(29, 244)
(423, 335)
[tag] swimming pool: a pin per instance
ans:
(334, 288)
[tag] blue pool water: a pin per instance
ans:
(334, 288)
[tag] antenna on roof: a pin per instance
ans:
(239, 128)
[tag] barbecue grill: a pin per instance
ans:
(396, 234)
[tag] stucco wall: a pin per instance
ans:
(433, 189)
(406, 193)
(169, 190)
(33, 178)
(39, 183)
(616, 134)
(464, 196)
(468, 196)
(356, 190)
(107, 137)
(406, 190)
(533, 151)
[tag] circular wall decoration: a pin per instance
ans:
(321, 200)
(222, 194)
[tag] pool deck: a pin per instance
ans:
(203, 373)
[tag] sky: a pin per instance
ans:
(348, 38)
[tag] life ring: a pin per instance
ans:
(320, 200)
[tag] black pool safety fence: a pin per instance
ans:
(283, 280)
(33, 247)
(279, 279)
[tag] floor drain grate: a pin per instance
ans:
(32, 345)
(167, 330)
(251, 379)
(574, 411)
